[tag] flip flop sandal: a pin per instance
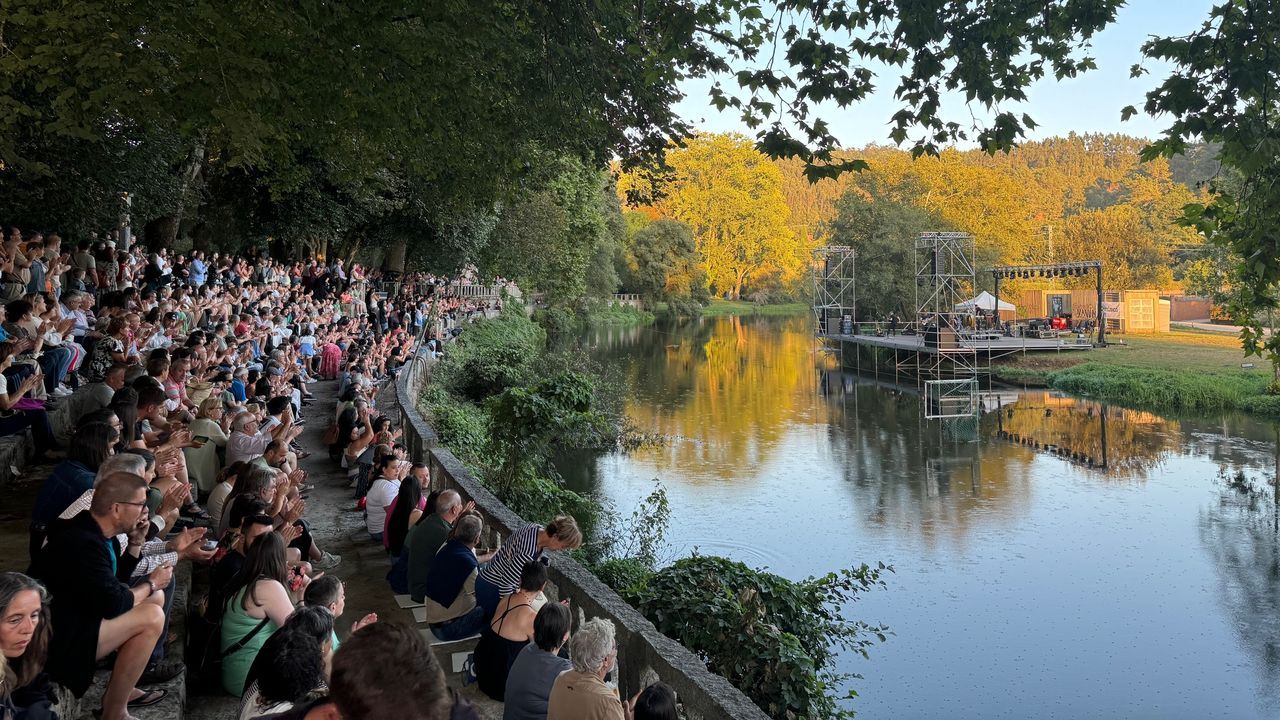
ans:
(148, 698)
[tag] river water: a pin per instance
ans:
(1026, 584)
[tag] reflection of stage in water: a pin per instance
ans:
(1118, 441)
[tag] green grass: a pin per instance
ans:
(1172, 389)
(1178, 371)
(719, 308)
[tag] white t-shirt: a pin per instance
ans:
(380, 495)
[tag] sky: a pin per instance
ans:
(1088, 103)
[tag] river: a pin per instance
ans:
(1026, 584)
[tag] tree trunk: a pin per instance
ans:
(395, 257)
(166, 228)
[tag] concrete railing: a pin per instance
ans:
(644, 654)
(630, 299)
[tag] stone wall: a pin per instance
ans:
(644, 654)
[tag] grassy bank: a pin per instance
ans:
(718, 308)
(1178, 371)
(617, 314)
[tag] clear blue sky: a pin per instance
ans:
(1089, 103)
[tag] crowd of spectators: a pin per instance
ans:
(170, 390)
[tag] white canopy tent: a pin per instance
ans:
(986, 302)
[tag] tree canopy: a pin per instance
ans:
(328, 125)
(1223, 90)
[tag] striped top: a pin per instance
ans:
(504, 569)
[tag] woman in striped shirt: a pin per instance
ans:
(501, 576)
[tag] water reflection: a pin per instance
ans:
(1077, 558)
(1241, 533)
(723, 392)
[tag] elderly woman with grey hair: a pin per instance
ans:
(582, 692)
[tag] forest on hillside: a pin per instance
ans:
(755, 222)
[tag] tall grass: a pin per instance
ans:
(1172, 389)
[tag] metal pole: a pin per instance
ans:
(1102, 321)
(999, 325)
(126, 226)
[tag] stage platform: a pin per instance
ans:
(988, 347)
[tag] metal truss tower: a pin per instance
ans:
(948, 364)
(834, 297)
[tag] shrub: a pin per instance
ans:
(771, 637)
(684, 307)
(1262, 405)
(628, 576)
(460, 426)
(527, 423)
(556, 321)
(492, 355)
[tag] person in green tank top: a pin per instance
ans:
(259, 603)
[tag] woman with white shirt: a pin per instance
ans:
(384, 490)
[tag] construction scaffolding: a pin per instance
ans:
(945, 279)
(834, 302)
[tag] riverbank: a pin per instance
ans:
(721, 308)
(617, 314)
(1178, 371)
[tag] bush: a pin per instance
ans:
(771, 637)
(615, 313)
(628, 576)
(1262, 405)
(557, 321)
(684, 307)
(460, 426)
(492, 355)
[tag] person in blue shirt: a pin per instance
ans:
(237, 385)
(199, 269)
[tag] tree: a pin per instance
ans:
(78, 191)
(1223, 90)
(1118, 237)
(883, 231)
(731, 197)
(665, 265)
(560, 236)
(460, 100)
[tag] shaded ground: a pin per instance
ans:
(336, 524)
(339, 528)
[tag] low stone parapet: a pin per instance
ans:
(645, 655)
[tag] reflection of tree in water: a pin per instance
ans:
(1136, 441)
(1240, 533)
(725, 390)
(905, 473)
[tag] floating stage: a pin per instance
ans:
(989, 346)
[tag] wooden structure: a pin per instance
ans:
(1131, 312)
